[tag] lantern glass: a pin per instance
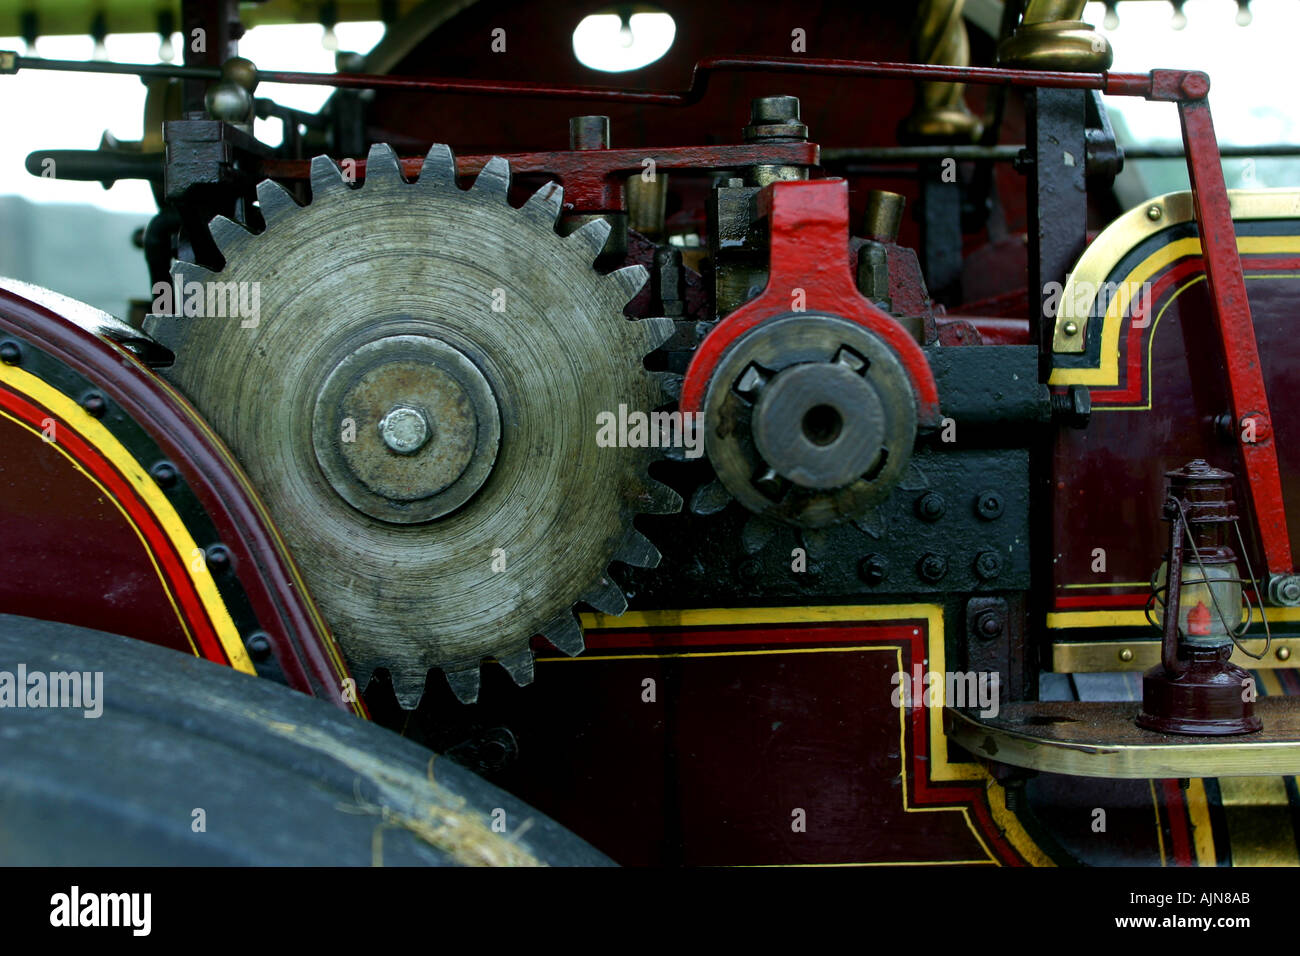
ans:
(1208, 598)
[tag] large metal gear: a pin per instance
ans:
(417, 402)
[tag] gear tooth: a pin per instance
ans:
(409, 686)
(519, 665)
(494, 178)
(545, 205)
(656, 498)
(226, 232)
(593, 234)
(565, 634)
(464, 683)
(631, 280)
(756, 534)
(170, 329)
(273, 200)
(382, 165)
(670, 385)
(710, 499)
(657, 331)
(327, 178)
(439, 167)
(636, 550)
(190, 272)
(606, 597)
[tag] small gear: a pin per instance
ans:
(417, 400)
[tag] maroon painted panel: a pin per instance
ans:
(83, 563)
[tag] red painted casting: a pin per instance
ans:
(810, 268)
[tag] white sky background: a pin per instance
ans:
(1251, 69)
(44, 109)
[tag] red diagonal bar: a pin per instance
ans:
(1227, 286)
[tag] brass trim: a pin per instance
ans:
(1258, 813)
(1100, 657)
(1089, 739)
(1116, 241)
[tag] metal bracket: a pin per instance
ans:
(1086, 739)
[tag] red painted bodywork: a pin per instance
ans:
(36, 545)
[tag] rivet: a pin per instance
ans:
(1284, 653)
(1071, 328)
(164, 473)
(1154, 212)
(259, 646)
(1126, 655)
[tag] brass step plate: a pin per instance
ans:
(1100, 739)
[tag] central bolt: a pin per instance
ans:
(404, 429)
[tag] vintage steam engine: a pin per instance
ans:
(760, 500)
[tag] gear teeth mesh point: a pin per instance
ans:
(519, 665)
(565, 634)
(326, 179)
(225, 232)
(274, 201)
(636, 551)
(593, 234)
(494, 178)
(439, 167)
(607, 597)
(670, 385)
(631, 279)
(382, 165)
(545, 205)
(464, 684)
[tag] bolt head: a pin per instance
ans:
(872, 568)
(989, 505)
(932, 567)
(989, 624)
(931, 506)
(404, 429)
